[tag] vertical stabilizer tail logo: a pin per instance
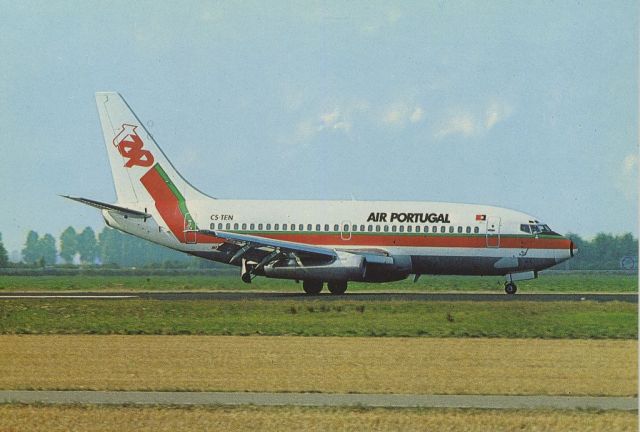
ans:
(130, 145)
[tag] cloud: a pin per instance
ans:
(333, 120)
(462, 123)
(630, 163)
(469, 124)
(399, 114)
(417, 115)
(325, 122)
(495, 113)
(627, 180)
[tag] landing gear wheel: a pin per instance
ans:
(337, 288)
(510, 288)
(312, 287)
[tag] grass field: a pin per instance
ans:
(119, 419)
(547, 282)
(316, 318)
(333, 364)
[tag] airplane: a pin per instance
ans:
(316, 242)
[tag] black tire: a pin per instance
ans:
(510, 288)
(312, 287)
(246, 277)
(337, 288)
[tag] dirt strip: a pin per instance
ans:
(320, 364)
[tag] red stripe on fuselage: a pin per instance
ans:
(419, 240)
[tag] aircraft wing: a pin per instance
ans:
(247, 241)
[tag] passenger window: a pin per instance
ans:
(409, 228)
(394, 228)
(244, 226)
(476, 230)
(318, 227)
(284, 227)
(300, 227)
(401, 228)
(309, 227)
(443, 229)
(345, 228)
(468, 230)
(326, 227)
(451, 229)
(435, 229)
(336, 227)
(426, 229)
(377, 228)
(417, 228)
(228, 226)
(386, 228)
(362, 228)
(268, 227)
(354, 228)
(459, 230)
(252, 227)
(259, 227)
(370, 228)
(235, 226)
(276, 227)
(220, 226)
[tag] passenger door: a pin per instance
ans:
(493, 231)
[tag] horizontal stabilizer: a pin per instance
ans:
(104, 206)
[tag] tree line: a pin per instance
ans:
(107, 248)
(113, 248)
(603, 252)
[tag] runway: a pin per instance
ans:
(357, 296)
(319, 399)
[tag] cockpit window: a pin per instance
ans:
(525, 228)
(539, 228)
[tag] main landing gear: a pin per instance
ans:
(314, 287)
(337, 288)
(510, 288)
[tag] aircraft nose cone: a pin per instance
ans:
(567, 251)
(572, 249)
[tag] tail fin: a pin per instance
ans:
(137, 163)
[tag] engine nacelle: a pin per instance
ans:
(396, 267)
(346, 266)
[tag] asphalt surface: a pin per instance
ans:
(319, 399)
(368, 297)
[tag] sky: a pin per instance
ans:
(531, 105)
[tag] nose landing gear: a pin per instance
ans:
(510, 285)
(510, 288)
